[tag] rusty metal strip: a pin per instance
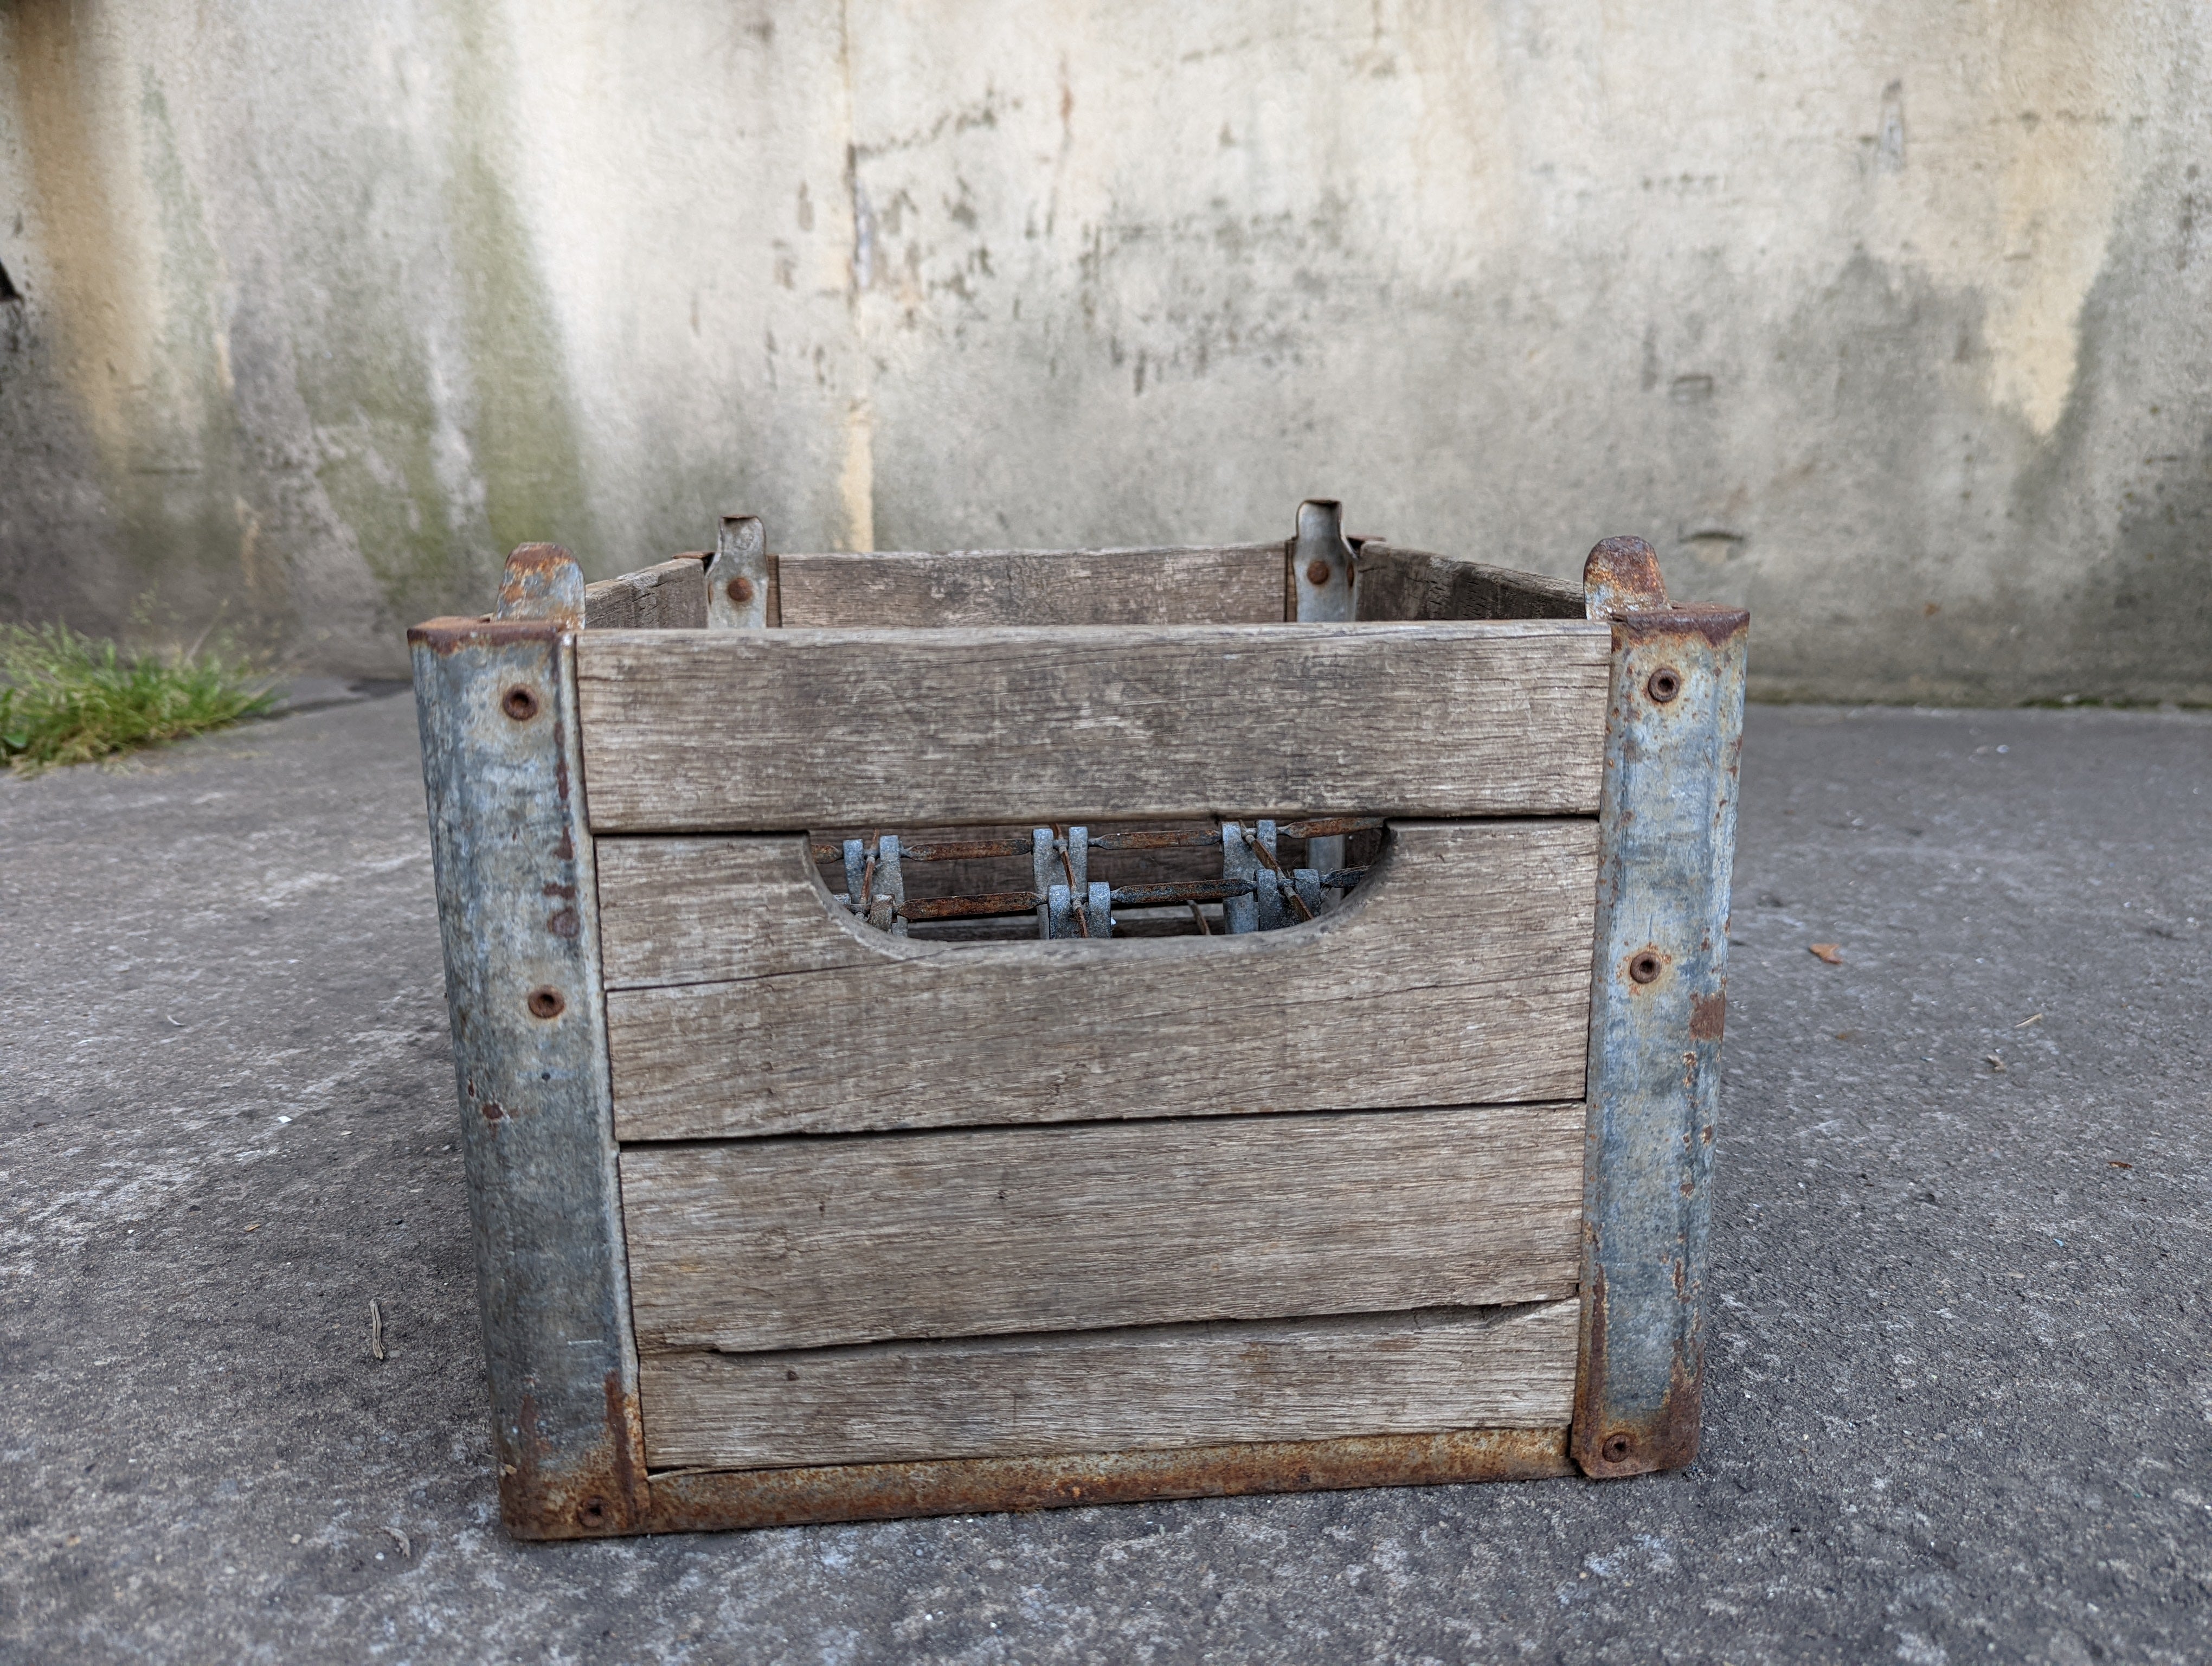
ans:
(1240, 879)
(738, 577)
(704, 1501)
(518, 910)
(1666, 841)
(1321, 564)
(1324, 572)
(542, 581)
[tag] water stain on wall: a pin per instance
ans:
(135, 304)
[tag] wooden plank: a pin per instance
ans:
(1413, 584)
(670, 597)
(1239, 584)
(789, 1244)
(782, 730)
(1457, 973)
(1167, 1387)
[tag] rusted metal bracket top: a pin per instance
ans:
(517, 908)
(1322, 569)
(1666, 841)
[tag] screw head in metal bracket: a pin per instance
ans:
(1645, 965)
(1318, 573)
(545, 1002)
(519, 703)
(740, 590)
(1664, 685)
(1617, 1447)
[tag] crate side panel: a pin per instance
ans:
(783, 730)
(1458, 974)
(789, 1244)
(1239, 584)
(670, 597)
(1159, 1387)
(1413, 583)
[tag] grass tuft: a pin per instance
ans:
(71, 699)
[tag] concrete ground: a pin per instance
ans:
(1960, 1401)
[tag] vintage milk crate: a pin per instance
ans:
(1344, 1120)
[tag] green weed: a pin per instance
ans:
(69, 699)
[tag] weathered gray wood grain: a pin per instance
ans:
(783, 730)
(1413, 584)
(1239, 584)
(754, 1244)
(1457, 973)
(1170, 1387)
(695, 910)
(670, 597)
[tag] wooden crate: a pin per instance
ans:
(780, 1216)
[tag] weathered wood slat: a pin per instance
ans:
(792, 1244)
(670, 597)
(1165, 1388)
(1239, 584)
(1457, 973)
(783, 730)
(1398, 584)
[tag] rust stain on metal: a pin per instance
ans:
(518, 1460)
(599, 1492)
(542, 581)
(1621, 575)
(1664, 1438)
(703, 1501)
(445, 637)
(1710, 620)
(1709, 1016)
(1587, 1444)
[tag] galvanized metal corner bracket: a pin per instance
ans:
(1658, 1009)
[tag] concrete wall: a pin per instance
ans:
(1889, 318)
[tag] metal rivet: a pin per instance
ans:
(519, 703)
(1317, 574)
(1617, 1445)
(1665, 684)
(545, 1002)
(740, 589)
(1646, 966)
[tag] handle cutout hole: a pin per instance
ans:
(1188, 878)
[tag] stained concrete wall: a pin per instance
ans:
(1890, 319)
